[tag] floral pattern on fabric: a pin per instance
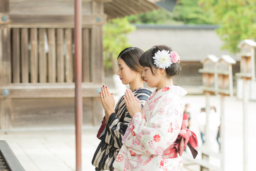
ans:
(152, 132)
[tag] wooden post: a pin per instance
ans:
(86, 56)
(33, 56)
(60, 56)
(225, 88)
(207, 142)
(207, 131)
(223, 135)
(245, 123)
(210, 86)
(247, 53)
(78, 82)
(16, 55)
(42, 56)
(5, 66)
(206, 158)
(97, 61)
(52, 55)
(24, 55)
(68, 56)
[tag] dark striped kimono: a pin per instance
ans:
(111, 141)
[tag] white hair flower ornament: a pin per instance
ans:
(164, 59)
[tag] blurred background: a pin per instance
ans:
(37, 71)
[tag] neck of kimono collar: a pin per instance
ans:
(176, 90)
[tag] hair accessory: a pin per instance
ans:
(162, 59)
(175, 57)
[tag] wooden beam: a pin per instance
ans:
(16, 55)
(63, 0)
(5, 56)
(24, 56)
(5, 112)
(113, 11)
(5, 66)
(86, 56)
(4, 6)
(42, 56)
(97, 8)
(104, 1)
(68, 56)
(60, 56)
(33, 56)
(97, 55)
(51, 56)
(121, 6)
(50, 91)
(56, 19)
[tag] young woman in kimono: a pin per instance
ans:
(116, 120)
(157, 135)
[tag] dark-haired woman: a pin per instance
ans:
(116, 120)
(157, 135)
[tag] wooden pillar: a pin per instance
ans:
(97, 70)
(42, 56)
(33, 56)
(86, 55)
(68, 56)
(5, 64)
(60, 56)
(97, 55)
(52, 55)
(16, 55)
(207, 131)
(222, 132)
(207, 142)
(24, 56)
(206, 158)
(245, 123)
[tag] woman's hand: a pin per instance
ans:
(132, 103)
(107, 100)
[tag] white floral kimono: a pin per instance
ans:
(146, 144)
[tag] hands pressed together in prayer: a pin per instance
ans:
(132, 103)
(108, 102)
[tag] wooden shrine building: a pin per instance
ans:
(37, 53)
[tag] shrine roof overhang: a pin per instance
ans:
(122, 8)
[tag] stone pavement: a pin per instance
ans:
(53, 149)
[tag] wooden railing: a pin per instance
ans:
(45, 55)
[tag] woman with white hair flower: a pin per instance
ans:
(157, 135)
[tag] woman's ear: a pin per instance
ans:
(162, 71)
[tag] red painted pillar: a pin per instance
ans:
(78, 84)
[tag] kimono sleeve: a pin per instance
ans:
(160, 131)
(117, 129)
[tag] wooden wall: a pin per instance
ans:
(49, 7)
(5, 65)
(43, 112)
(36, 57)
(46, 55)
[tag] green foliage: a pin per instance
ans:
(115, 39)
(189, 12)
(185, 12)
(236, 19)
(160, 16)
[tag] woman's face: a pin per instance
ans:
(149, 78)
(125, 73)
